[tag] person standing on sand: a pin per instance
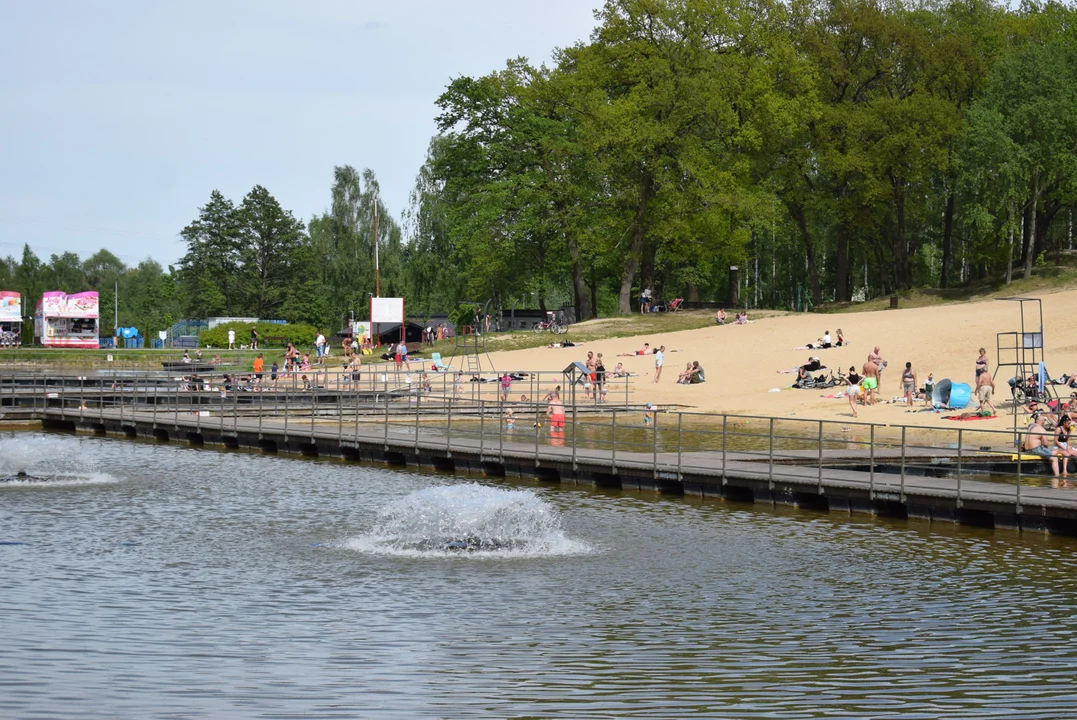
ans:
(870, 381)
(659, 358)
(880, 365)
(259, 369)
(852, 389)
(981, 365)
(985, 387)
(908, 384)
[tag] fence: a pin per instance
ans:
(435, 409)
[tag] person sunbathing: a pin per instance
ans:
(720, 317)
(822, 343)
(645, 350)
(619, 371)
(812, 365)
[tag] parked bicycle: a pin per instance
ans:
(555, 324)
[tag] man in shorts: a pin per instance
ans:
(1038, 442)
(319, 347)
(870, 382)
(555, 411)
(259, 369)
(985, 387)
(880, 365)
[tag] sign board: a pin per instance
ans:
(79, 305)
(163, 335)
(10, 306)
(387, 310)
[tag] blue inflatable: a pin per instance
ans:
(951, 395)
(960, 394)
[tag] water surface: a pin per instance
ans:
(162, 581)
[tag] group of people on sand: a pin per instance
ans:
(722, 316)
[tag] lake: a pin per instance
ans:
(154, 580)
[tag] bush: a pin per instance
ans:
(299, 333)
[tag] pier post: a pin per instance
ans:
(871, 461)
(959, 450)
(680, 425)
(613, 461)
(482, 429)
(903, 429)
(574, 431)
(820, 487)
(448, 428)
(770, 457)
(654, 448)
(725, 425)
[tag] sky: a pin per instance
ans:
(118, 118)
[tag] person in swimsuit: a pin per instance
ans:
(840, 339)
(985, 386)
(929, 389)
(908, 384)
(555, 411)
(720, 317)
(1062, 444)
(1037, 442)
(981, 365)
(600, 379)
(852, 389)
(870, 381)
(880, 365)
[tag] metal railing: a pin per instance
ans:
(435, 412)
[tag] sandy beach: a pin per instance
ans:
(741, 361)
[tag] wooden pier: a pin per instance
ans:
(843, 481)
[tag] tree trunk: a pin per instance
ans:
(947, 240)
(1030, 251)
(797, 211)
(901, 248)
(632, 258)
(582, 299)
(842, 276)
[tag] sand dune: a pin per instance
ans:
(741, 361)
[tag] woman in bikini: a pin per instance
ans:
(908, 384)
(981, 363)
(852, 390)
(1062, 443)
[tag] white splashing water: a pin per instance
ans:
(468, 520)
(48, 462)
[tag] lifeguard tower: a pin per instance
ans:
(1021, 352)
(471, 349)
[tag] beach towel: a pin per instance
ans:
(973, 417)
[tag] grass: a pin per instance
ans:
(1045, 278)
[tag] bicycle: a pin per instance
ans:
(555, 327)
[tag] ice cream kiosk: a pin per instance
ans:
(10, 318)
(63, 320)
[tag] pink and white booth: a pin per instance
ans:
(63, 320)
